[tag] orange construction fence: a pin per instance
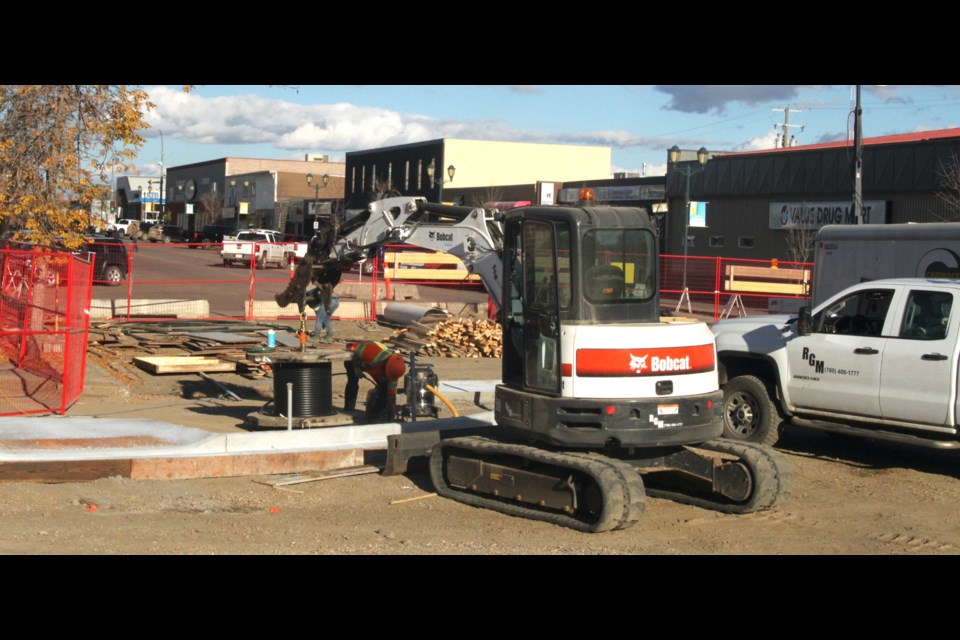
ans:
(44, 321)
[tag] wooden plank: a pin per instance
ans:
(313, 476)
(413, 257)
(736, 270)
(786, 281)
(64, 471)
(223, 466)
(746, 286)
(183, 364)
(428, 274)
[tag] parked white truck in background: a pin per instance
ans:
(845, 255)
(265, 246)
(878, 359)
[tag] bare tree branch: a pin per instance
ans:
(948, 174)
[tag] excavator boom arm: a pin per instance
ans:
(473, 235)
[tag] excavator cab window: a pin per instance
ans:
(541, 306)
(619, 265)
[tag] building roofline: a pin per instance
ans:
(228, 158)
(900, 138)
(410, 145)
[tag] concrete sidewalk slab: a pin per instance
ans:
(72, 449)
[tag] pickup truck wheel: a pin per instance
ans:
(749, 413)
(262, 262)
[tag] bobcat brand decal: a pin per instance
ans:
(645, 362)
(638, 364)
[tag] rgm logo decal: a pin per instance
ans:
(645, 362)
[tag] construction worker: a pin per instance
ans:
(386, 367)
(324, 301)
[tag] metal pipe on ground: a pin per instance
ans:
(402, 315)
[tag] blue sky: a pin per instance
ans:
(638, 122)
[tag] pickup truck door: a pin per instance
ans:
(837, 368)
(919, 368)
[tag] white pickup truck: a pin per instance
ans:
(261, 246)
(878, 359)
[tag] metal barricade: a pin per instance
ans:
(44, 321)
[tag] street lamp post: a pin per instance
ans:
(316, 190)
(687, 168)
(161, 176)
(235, 203)
(431, 171)
(857, 161)
(143, 212)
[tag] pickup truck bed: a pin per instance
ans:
(259, 247)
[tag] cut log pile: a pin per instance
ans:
(454, 338)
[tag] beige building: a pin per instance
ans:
(278, 199)
(481, 163)
(248, 192)
(460, 166)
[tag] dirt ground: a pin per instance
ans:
(850, 497)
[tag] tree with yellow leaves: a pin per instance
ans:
(58, 146)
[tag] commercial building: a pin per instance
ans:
(471, 171)
(768, 204)
(762, 204)
(138, 197)
(245, 192)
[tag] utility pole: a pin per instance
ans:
(160, 217)
(786, 126)
(857, 161)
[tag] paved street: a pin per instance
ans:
(177, 271)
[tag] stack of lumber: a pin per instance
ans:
(231, 348)
(228, 349)
(213, 345)
(454, 338)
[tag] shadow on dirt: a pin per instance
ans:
(201, 388)
(237, 412)
(867, 453)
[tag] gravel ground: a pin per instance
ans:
(850, 497)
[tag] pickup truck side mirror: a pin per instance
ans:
(804, 320)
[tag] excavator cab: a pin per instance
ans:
(566, 268)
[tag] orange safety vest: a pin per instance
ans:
(371, 357)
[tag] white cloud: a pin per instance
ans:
(338, 126)
(767, 141)
(645, 170)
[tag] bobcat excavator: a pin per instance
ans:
(602, 401)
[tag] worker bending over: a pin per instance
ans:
(386, 367)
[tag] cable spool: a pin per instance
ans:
(312, 388)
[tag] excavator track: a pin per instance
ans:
(745, 477)
(580, 490)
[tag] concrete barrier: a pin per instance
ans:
(348, 310)
(100, 309)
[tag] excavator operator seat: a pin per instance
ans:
(603, 282)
